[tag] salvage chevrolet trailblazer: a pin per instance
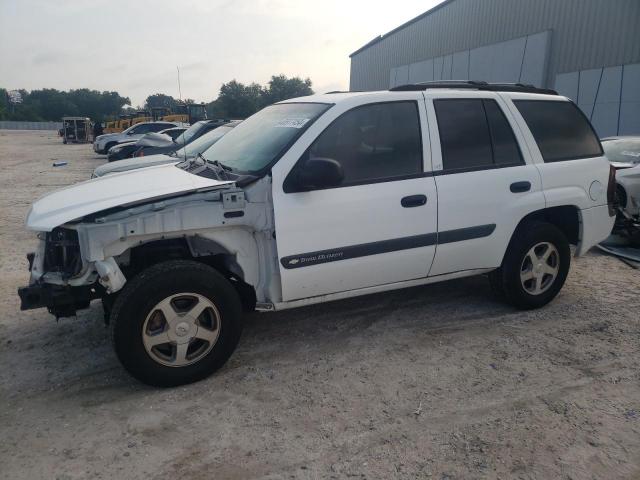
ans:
(322, 198)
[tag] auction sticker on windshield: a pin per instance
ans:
(291, 123)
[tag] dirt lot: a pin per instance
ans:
(439, 381)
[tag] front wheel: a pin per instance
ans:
(535, 266)
(175, 323)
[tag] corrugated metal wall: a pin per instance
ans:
(585, 34)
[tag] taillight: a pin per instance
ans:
(611, 192)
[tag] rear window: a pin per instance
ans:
(560, 129)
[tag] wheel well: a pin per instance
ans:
(622, 195)
(566, 218)
(151, 253)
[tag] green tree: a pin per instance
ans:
(52, 104)
(282, 88)
(160, 100)
(237, 100)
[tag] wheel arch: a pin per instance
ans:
(566, 218)
(198, 248)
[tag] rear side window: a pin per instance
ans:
(475, 134)
(373, 142)
(560, 129)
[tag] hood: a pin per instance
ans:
(106, 135)
(156, 140)
(133, 164)
(119, 189)
(122, 145)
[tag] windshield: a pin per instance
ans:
(624, 150)
(260, 139)
(200, 144)
(185, 136)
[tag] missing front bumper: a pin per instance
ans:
(60, 300)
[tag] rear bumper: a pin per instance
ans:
(60, 300)
(596, 226)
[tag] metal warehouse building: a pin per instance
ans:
(588, 50)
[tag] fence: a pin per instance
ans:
(10, 125)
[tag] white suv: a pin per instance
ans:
(321, 198)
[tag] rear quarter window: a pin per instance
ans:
(560, 129)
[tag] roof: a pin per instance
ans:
(468, 88)
(331, 97)
(379, 38)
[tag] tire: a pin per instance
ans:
(107, 147)
(139, 326)
(535, 266)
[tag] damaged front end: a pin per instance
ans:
(53, 266)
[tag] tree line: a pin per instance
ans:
(235, 100)
(50, 104)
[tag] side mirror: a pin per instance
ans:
(317, 173)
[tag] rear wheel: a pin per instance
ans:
(535, 266)
(175, 323)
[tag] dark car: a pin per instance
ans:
(127, 149)
(189, 135)
(198, 146)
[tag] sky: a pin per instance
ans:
(133, 47)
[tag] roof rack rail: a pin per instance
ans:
(473, 85)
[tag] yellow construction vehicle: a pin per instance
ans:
(126, 120)
(186, 113)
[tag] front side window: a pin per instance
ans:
(560, 129)
(474, 134)
(373, 142)
(262, 138)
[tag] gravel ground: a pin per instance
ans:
(439, 381)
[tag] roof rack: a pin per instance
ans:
(473, 85)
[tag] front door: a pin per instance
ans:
(378, 226)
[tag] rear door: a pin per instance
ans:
(378, 226)
(485, 185)
(569, 155)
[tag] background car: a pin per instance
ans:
(624, 155)
(189, 135)
(200, 145)
(164, 138)
(103, 143)
(174, 132)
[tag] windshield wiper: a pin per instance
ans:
(221, 165)
(218, 168)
